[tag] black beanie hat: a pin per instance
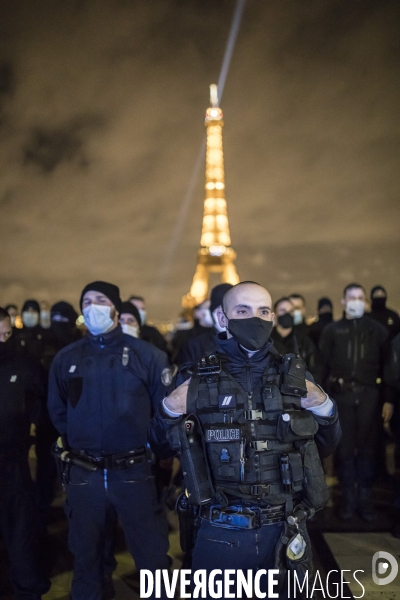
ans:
(217, 293)
(376, 288)
(324, 302)
(128, 307)
(108, 289)
(31, 304)
(63, 309)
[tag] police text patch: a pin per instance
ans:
(225, 434)
(227, 401)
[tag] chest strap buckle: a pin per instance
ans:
(254, 415)
(260, 445)
(259, 490)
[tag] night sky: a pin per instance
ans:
(102, 110)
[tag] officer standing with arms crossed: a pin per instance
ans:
(259, 434)
(103, 390)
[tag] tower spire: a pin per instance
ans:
(215, 254)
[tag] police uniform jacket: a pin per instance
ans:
(103, 390)
(355, 350)
(20, 392)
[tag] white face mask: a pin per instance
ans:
(12, 319)
(132, 330)
(205, 318)
(97, 318)
(30, 319)
(216, 322)
(297, 316)
(143, 315)
(355, 309)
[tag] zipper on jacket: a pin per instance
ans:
(355, 349)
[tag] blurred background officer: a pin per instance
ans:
(325, 316)
(299, 312)
(202, 323)
(44, 314)
(354, 352)
(284, 333)
(20, 390)
(129, 319)
(36, 342)
(148, 333)
(206, 342)
(12, 310)
(33, 339)
(388, 318)
(102, 393)
(63, 319)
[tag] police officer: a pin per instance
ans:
(253, 481)
(102, 392)
(287, 338)
(379, 311)
(148, 333)
(325, 316)
(206, 342)
(202, 324)
(354, 351)
(129, 319)
(20, 391)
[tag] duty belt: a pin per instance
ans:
(242, 517)
(120, 461)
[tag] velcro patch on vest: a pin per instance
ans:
(225, 434)
(227, 401)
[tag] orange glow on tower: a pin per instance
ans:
(215, 254)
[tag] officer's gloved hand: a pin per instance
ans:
(315, 396)
(177, 400)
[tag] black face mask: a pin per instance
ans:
(326, 317)
(286, 321)
(378, 303)
(252, 333)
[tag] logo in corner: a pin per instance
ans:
(380, 568)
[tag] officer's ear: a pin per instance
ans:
(222, 320)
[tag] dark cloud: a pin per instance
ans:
(106, 103)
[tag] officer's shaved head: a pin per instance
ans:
(245, 300)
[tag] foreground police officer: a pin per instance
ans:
(261, 470)
(20, 392)
(102, 392)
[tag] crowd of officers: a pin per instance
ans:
(96, 388)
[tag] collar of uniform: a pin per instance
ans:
(106, 339)
(237, 353)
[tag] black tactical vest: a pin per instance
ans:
(258, 445)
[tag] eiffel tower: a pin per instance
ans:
(215, 254)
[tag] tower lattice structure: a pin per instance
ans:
(216, 254)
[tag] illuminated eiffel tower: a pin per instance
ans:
(215, 254)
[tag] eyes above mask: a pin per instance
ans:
(97, 318)
(252, 333)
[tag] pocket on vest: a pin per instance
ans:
(300, 424)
